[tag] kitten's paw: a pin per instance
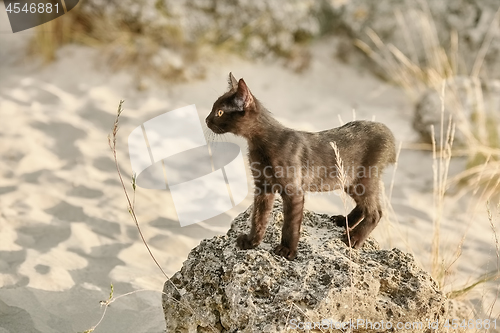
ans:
(339, 220)
(243, 242)
(357, 239)
(285, 252)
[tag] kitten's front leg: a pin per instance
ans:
(262, 205)
(293, 208)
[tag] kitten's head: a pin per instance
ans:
(235, 111)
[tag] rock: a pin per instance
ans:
(223, 289)
(474, 106)
(281, 28)
(417, 27)
(255, 28)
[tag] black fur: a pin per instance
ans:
(289, 162)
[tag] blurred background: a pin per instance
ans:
(427, 69)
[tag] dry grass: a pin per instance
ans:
(478, 123)
(440, 168)
(443, 261)
(343, 184)
(162, 54)
(112, 138)
(166, 50)
(343, 195)
(49, 37)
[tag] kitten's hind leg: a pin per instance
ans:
(293, 209)
(372, 212)
(262, 205)
(360, 233)
(354, 217)
(339, 220)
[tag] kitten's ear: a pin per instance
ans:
(244, 94)
(233, 84)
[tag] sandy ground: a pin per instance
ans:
(65, 233)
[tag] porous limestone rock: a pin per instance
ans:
(223, 289)
(412, 26)
(253, 27)
(267, 28)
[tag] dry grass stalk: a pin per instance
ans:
(130, 205)
(436, 70)
(439, 65)
(497, 251)
(342, 176)
(440, 169)
(112, 145)
(111, 299)
(343, 184)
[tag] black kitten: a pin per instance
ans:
(289, 162)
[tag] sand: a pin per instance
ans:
(66, 235)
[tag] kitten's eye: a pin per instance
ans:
(220, 113)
